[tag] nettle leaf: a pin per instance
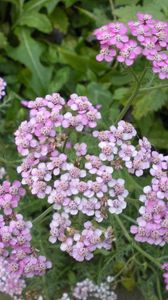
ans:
(28, 53)
(99, 94)
(60, 20)
(36, 20)
(128, 12)
(150, 102)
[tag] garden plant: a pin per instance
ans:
(83, 149)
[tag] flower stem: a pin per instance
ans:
(45, 213)
(139, 249)
(131, 99)
(157, 87)
(112, 9)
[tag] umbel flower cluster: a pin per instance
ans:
(2, 87)
(79, 180)
(153, 223)
(87, 289)
(17, 256)
(10, 284)
(146, 37)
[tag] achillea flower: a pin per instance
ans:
(17, 253)
(75, 180)
(2, 87)
(152, 40)
(10, 284)
(152, 225)
(87, 289)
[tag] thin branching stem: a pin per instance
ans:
(131, 99)
(41, 216)
(135, 246)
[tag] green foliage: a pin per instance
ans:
(48, 46)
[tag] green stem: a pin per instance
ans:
(140, 250)
(131, 99)
(126, 264)
(153, 88)
(129, 219)
(45, 213)
(112, 9)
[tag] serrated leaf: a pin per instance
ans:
(36, 20)
(60, 20)
(128, 12)
(149, 102)
(28, 53)
(99, 94)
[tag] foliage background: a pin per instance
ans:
(48, 46)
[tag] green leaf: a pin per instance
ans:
(69, 3)
(51, 5)
(61, 77)
(36, 20)
(79, 62)
(149, 102)
(129, 283)
(99, 94)
(126, 2)
(28, 53)
(120, 93)
(15, 2)
(3, 40)
(33, 5)
(128, 12)
(60, 20)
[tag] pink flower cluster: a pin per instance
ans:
(165, 274)
(153, 223)
(149, 38)
(2, 87)
(87, 289)
(19, 257)
(76, 180)
(10, 284)
(79, 245)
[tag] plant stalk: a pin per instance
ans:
(139, 249)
